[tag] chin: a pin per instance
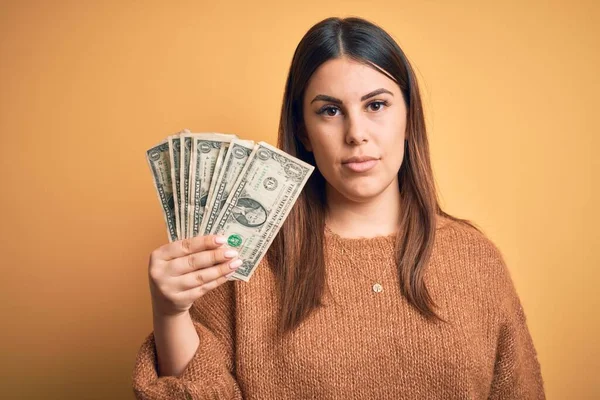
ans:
(361, 193)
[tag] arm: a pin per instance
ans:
(517, 372)
(176, 341)
(209, 349)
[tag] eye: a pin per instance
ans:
(377, 106)
(329, 111)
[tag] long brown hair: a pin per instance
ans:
(296, 255)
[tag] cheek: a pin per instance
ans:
(324, 157)
(324, 139)
(392, 142)
(325, 151)
(394, 127)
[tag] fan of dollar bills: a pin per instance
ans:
(215, 183)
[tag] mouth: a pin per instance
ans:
(360, 163)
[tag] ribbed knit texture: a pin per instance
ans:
(361, 344)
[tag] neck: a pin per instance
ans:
(377, 216)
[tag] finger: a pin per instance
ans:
(201, 260)
(181, 248)
(197, 292)
(206, 275)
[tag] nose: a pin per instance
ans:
(356, 133)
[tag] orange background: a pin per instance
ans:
(511, 95)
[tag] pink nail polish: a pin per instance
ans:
(231, 253)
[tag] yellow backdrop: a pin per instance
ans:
(511, 95)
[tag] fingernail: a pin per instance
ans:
(235, 264)
(229, 274)
(231, 253)
(220, 239)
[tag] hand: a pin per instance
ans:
(183, 271)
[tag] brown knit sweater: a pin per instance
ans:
(361, 344)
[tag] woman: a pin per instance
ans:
(370, 290)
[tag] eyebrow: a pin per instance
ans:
(324, 97)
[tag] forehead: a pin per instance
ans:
(348, 79)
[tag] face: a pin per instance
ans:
(355, 120)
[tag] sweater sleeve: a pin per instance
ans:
(210, 373)
(517, 373)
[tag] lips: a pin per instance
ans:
(360, 163)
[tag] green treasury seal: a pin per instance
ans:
(234, 240)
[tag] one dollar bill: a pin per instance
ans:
(174, 154)
(205, 153)
(213, 180)
(235, 160)
(160, 166)
(184, 188)
(259, 203)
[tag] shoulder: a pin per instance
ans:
(467, 253)
(466, 239)
(467, 265)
